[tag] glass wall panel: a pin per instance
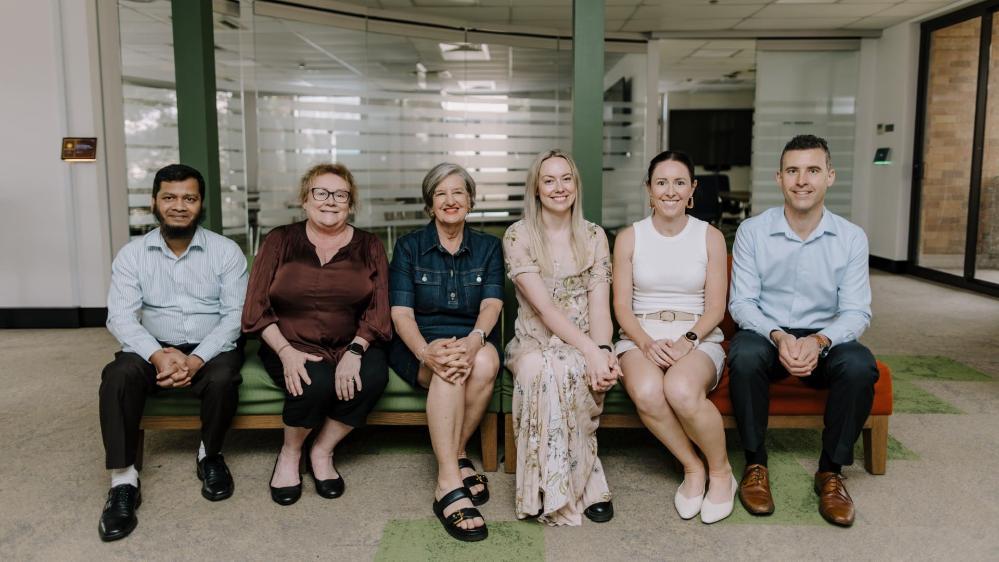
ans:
(987, 257)
(625, 104)
(150, 108)
(952, 73)
(390, 107)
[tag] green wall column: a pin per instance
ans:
(197, 122)
(588, 102)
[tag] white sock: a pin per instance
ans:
(126, 475)
(201, 451)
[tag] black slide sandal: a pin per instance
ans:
(474, 480)
(450, 522)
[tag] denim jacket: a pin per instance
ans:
(445, 290)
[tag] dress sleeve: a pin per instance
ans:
(600, 271)
(493, 286)
(402, 290)
(257, 311)
(517, 251)
(376, 321)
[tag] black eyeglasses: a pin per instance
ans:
(322, 194)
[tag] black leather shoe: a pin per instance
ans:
(600, 512)
(216, 480)
(332, 488)
(118, 519)
(286, 495)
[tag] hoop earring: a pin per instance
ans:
(690, 202)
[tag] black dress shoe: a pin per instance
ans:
(601, 512)
(286, 495)
(332, 488)
(118, 519)
(216, 480)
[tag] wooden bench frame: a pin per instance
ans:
(874, 434)
(488, 428)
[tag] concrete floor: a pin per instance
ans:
(52, 482)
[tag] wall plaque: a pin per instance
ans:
(79, 149)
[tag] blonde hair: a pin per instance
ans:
(336, 169)
(532, 214)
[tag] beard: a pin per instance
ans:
(170, 232)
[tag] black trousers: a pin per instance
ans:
(849, 372)
(127, 381)
(319, 401)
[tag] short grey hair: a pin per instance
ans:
(439, 173)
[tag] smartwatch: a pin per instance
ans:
(356, 349)
(692, 338)
(823, 346)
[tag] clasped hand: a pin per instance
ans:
(174, 368)
(602, 369)
(452, 359)
(666, 352)
(799, 356)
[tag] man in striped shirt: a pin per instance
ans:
(175, 302)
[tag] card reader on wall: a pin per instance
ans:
(882, 156)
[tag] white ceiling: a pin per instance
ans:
(313, 55)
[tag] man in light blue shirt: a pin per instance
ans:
(175, 303)
(801, 296)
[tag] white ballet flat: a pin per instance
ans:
(687, 507)
(715, 512)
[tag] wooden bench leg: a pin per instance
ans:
(509, 445)
(489, 435)
(876, 445)
(140, 449)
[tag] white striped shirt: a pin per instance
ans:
(196, 298)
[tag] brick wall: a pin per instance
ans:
(950, 119)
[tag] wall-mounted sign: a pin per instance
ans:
(882, 156)
(79, 149)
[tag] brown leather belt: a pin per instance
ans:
(668, 316)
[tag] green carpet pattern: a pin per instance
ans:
(909, 370)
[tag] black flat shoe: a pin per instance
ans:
(600, 512)
(216, 480)
(450, 522)
(474, 480)
(330, 488)
(286, 495)
(118, 519)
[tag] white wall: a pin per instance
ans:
(54, 243)
(889, 66)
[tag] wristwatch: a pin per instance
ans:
(824, 344)
(692, 338)
(356, 349)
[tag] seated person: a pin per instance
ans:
(561, 357)
(669, 296)
(174, 304)
(801, 296)
(318, 297)
(446, 291)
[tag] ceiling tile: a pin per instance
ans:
(709, 24)
(820, 10)
(909, 9)
(704, 11)
(876, 22)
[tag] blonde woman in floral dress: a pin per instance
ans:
(561, 356)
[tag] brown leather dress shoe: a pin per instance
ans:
(835, 503)
(754, 490)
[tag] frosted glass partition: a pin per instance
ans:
(624, 196)
(151, 142)
(800, 92)
(390, 106)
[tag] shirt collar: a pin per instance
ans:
(430, 240)
(779, 225)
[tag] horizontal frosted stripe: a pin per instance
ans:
(562, 129)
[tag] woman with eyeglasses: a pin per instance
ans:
(318, 298)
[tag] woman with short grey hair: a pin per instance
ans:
(446, 292)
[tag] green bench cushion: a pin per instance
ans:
(259, 395)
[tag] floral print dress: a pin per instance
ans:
(555, 415)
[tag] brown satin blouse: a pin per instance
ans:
(319, 308)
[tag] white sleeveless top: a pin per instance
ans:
(669, 271)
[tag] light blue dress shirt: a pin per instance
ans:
(781, 281)
(196, 298)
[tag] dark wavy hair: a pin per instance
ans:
(178, 172)
(667, 156)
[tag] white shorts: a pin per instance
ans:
(660, 329)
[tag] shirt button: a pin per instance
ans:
(424, 278)
(452, 295)
(478, 279)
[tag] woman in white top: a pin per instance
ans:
(669, 297)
